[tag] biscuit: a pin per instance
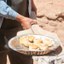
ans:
(30, 38)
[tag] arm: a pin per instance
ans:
(8, 12)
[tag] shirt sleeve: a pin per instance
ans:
(6, 11)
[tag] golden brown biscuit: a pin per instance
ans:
(30, 38)
(43, 47)
(33, 46)
(38, 41)
(48, 42)
(24, 41)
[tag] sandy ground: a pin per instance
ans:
(50, 16)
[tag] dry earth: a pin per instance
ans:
(50, 15)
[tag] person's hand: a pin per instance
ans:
(26, 22)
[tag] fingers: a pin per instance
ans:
(26, 26)
(33, 22)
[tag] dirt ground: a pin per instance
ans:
(50, 16)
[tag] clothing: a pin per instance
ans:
(21, 8)
(6, 11)
(11, 24)
(9, 27)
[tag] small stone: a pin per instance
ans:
(60, 19)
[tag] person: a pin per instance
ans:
(13, 14)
